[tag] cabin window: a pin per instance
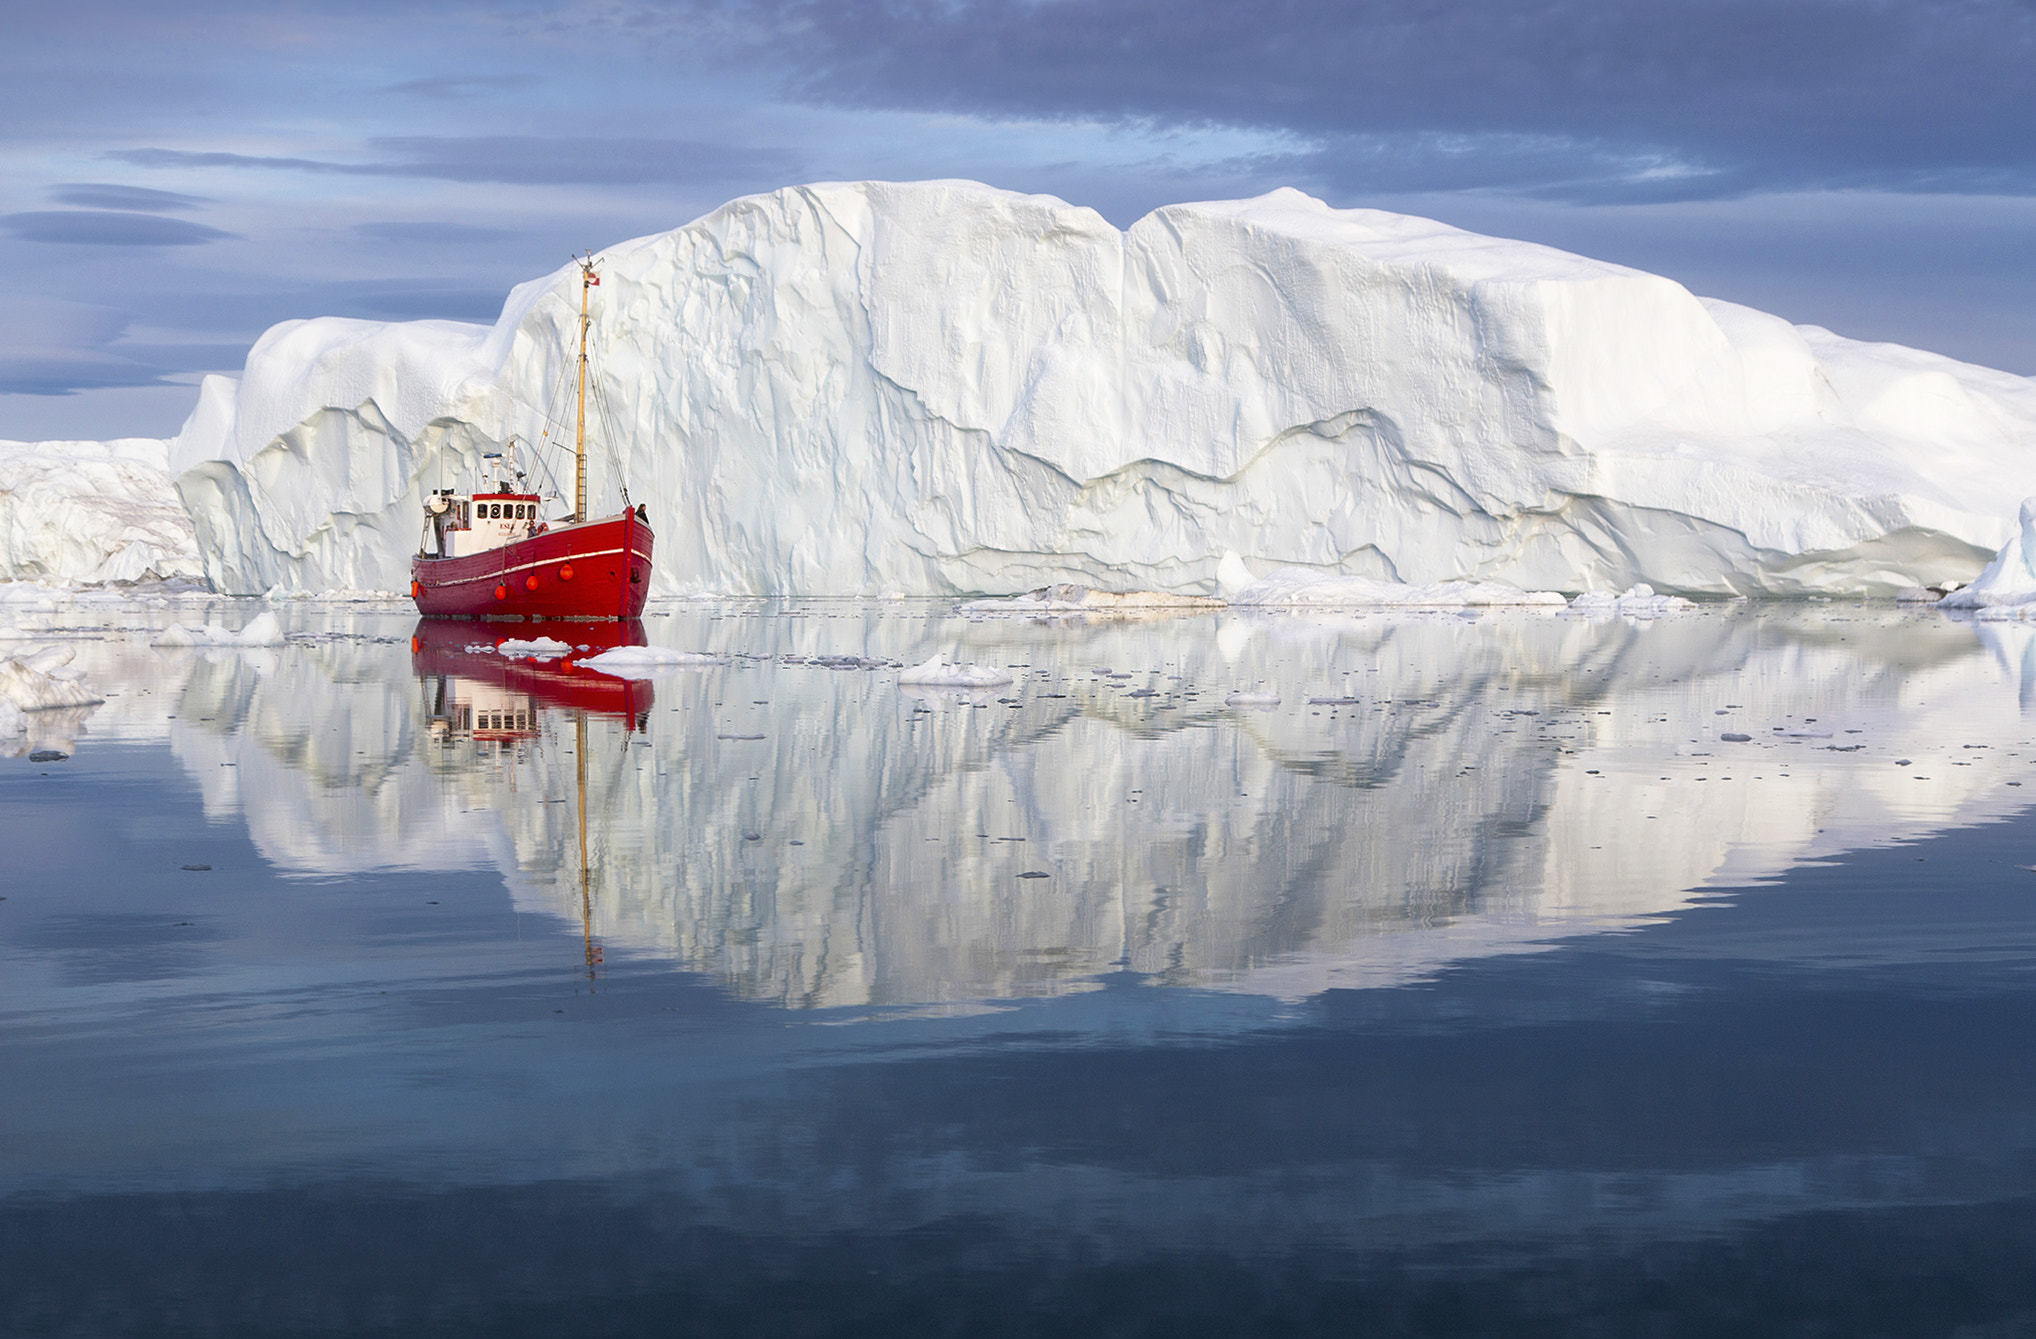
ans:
(494, 511)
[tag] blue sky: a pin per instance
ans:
(174, 179)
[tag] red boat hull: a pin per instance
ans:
(596, 569)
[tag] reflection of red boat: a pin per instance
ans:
(440, 650)
(488, 554)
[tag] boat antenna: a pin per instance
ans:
(589, 279)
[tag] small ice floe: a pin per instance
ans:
(533, 648)
(261, 630)
(1636, 601)
(1252, 700)
(35, 682)
(1305, 588)
(1067, 599)
(937, 673)
(647, 662)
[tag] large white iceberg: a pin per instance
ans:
(942, 388)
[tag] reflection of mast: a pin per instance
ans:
(586, 893)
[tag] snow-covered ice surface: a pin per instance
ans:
(942, 388)
(92, 512)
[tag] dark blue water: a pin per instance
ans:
(377, 1096)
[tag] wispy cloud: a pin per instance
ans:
(508, 160)
(107, 195)
(92, 227)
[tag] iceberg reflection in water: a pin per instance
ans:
(1431, 788)
(1435, 997)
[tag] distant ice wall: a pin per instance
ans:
(939, 388)
(92, 512)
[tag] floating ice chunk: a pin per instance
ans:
(937, 673)
(1637, 601)
(1252, 700)
(646, 662)
(2009, 581)
(532, 648)
(262, 630)
(1302, 587)
(29, 684)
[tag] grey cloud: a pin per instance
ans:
(1747, 94)
(107, 195)
(91, 227)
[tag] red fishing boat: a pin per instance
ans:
(490, 553)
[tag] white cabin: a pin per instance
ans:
(463, 524)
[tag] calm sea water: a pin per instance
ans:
(377, 983)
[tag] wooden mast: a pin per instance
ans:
(587, 281)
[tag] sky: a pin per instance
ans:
(174, 179)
